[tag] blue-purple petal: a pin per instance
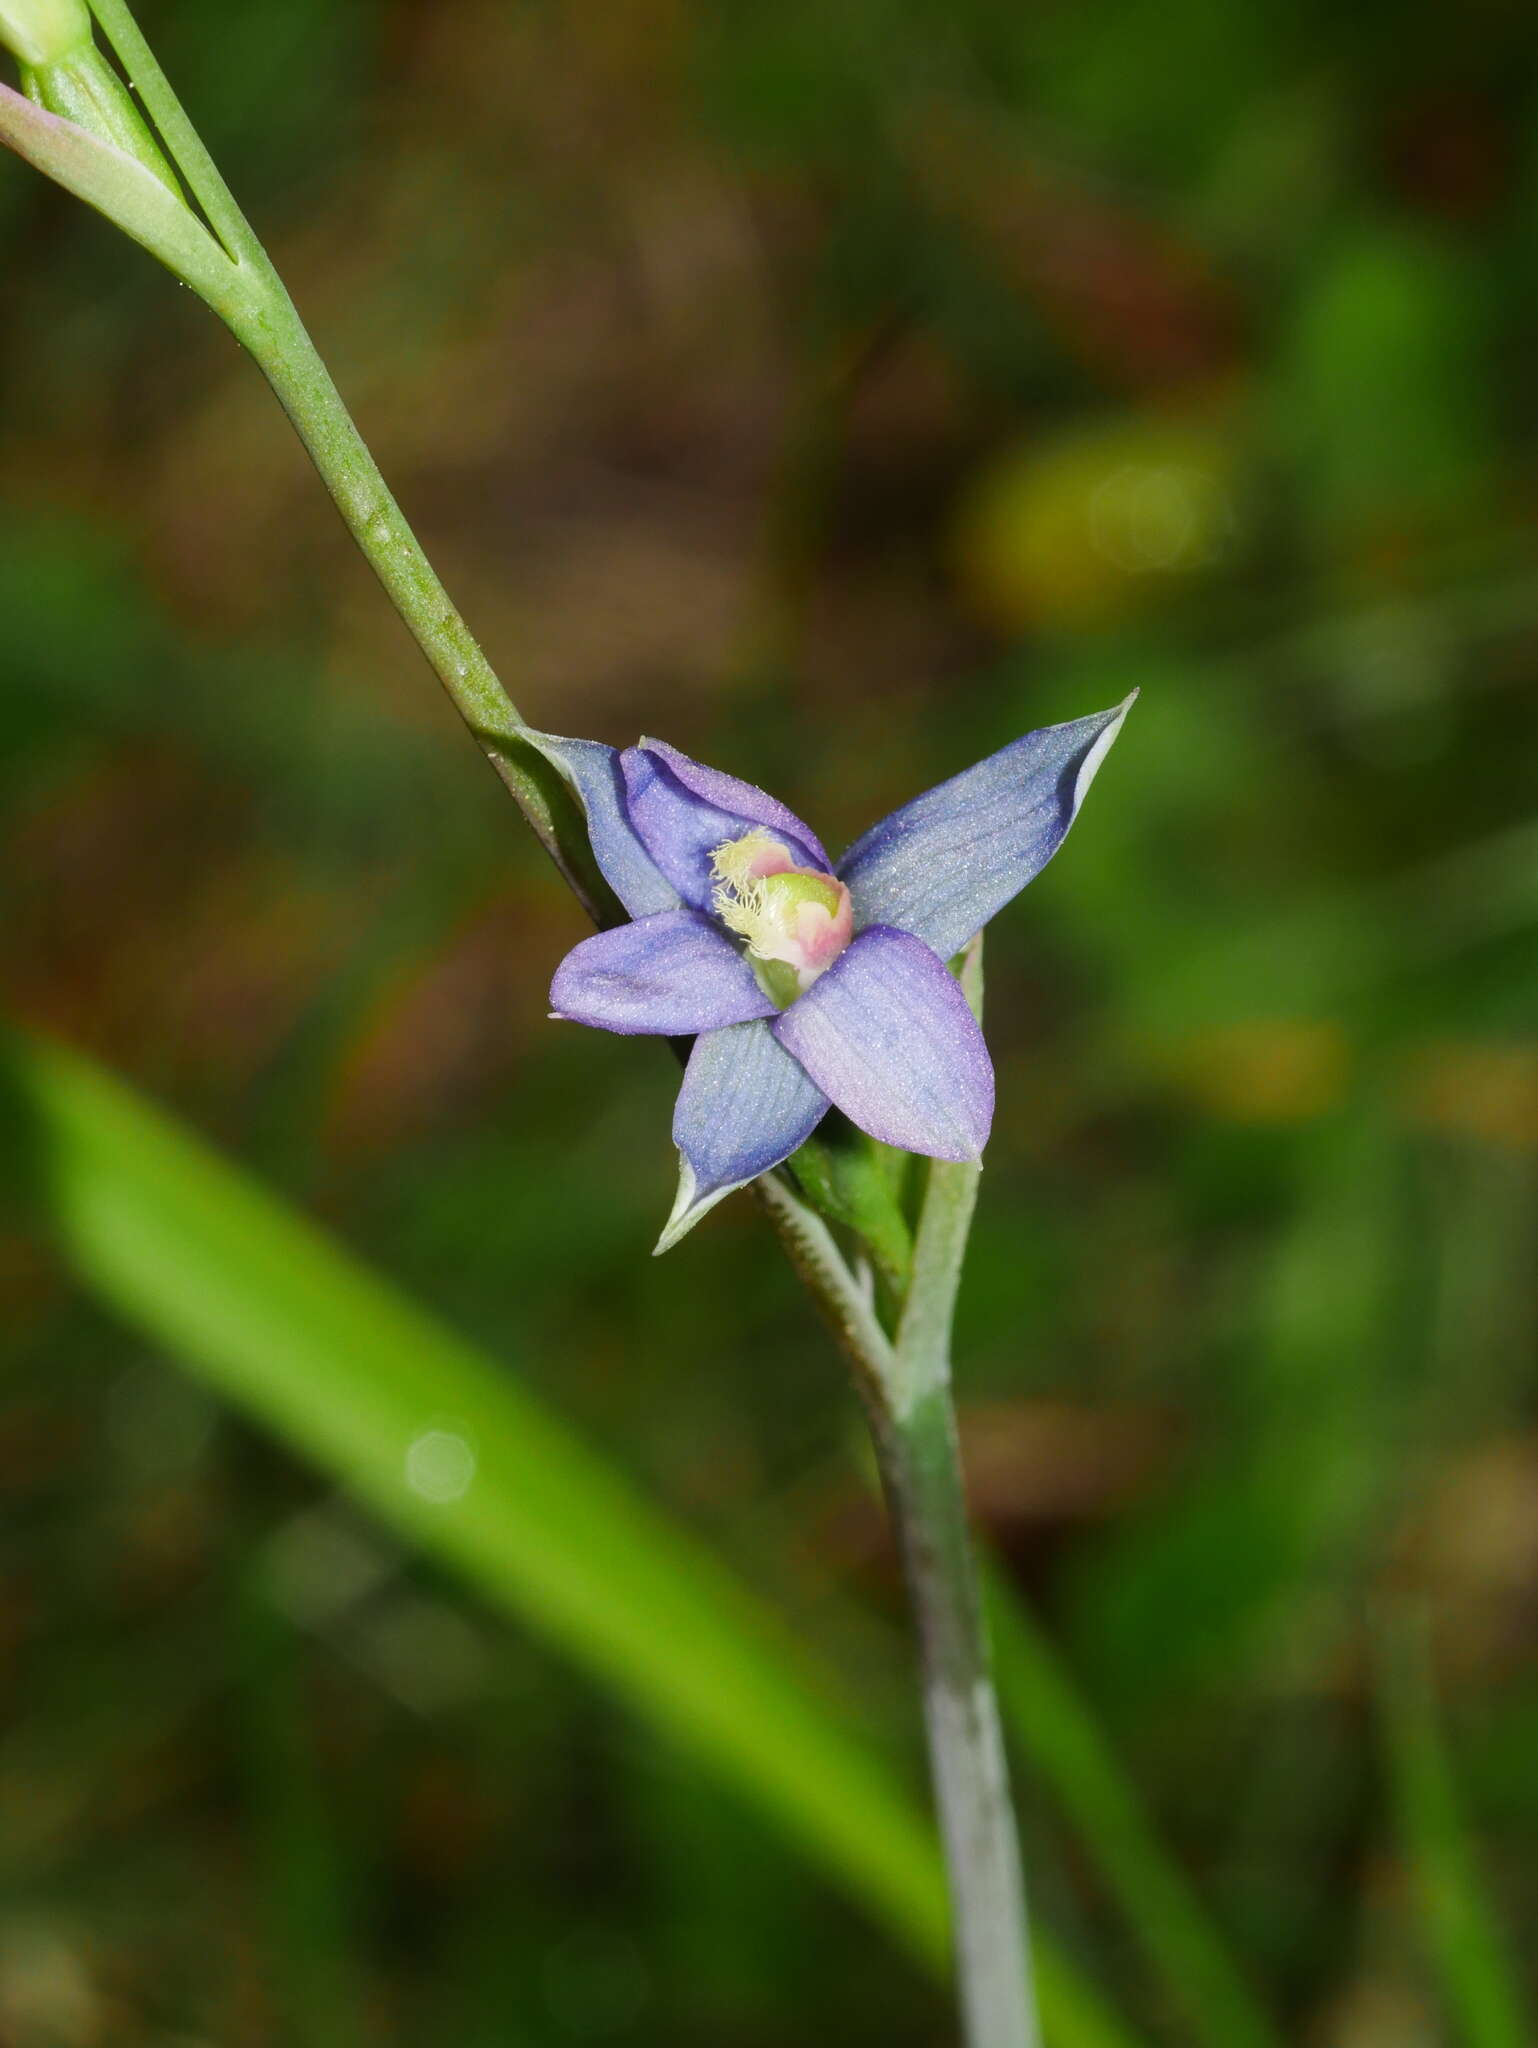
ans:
(888, 1036)
(745, 1105)
(670, 974)
(593, 770)
(683, 812)
(944, 864)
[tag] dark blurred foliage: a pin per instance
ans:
(836, 388)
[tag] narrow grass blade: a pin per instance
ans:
(1468, 1951)
(1055, 1730)
(355, 1377)
(299, 1876)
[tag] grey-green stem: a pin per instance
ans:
(921, 1469)
(906, 1389)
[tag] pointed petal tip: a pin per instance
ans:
(1089, 767)
(941, 866)
(688, 1207)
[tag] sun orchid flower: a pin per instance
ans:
(806, 982)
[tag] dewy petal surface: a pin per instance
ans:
(669, 974)
(683, 812)
(745, 1105)
(887, 1034)
(593, 770)
(944, 864)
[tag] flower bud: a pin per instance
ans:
(40, 32)
(64, 73)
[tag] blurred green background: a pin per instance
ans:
(836, 388)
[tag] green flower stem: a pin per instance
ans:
(272, 330)
(921, 1471)
(846, 1307)
(181, 139)
(907, 1393)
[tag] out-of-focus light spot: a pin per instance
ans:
(440, 1465)
(321, 1564)
(1268, 1070)
(595, 1983)
(423, 1652)
(1087, 526)
(1152, 517)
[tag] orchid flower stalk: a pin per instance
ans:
(833, 1005)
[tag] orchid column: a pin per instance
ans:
(838, 1063)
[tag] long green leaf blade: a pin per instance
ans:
(353, 1375)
